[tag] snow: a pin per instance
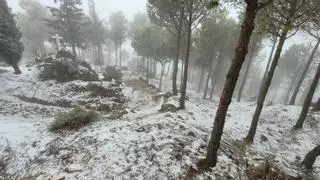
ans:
(143, 144)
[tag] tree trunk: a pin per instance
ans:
(74, 49)
(182, 75)
(186, 64)
(120, 55)
(116, 54)
(308, 100)
(311, 158)
(207, 82)
(167, 73)
(265, 87)
(163, 67)
(82, 53)
(285, 101)
(101, 55)
(148, 62)
(268, 65)
(230, 83)
(16, 69)
(215, 76)
(296, 90)
(200, 82)
(245, 76)
(176, 61)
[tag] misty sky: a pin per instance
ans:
(130, 7)
(103, 7)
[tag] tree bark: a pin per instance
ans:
(311, 158)
(304, 73)
(265, 87)
(176, 61)
(200, 82)
(231, 81)
(16, 69)
(308, 100)
(186, 64)
(245, 76)
(207, 82)
(268, 65)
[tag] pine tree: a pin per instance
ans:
(10, 36)
(70, 22)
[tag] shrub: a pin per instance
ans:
(111, 73)
(76, 118)
(168, 108)
(98, 90)
(64, 67)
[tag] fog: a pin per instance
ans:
(159, 89)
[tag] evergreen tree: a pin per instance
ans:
(10, 36)
(118, 33)
(70, 22)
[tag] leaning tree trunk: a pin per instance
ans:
(268, 65)
(186, 64)
(176, 61)
(245, 76)
(207, 82)
(265, 87)
(296, 90)
(200, 82)
(308, 100)
(311, 158)
(16, 68)
(230, 83)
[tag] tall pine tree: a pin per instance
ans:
(70, 21)
(10, 44)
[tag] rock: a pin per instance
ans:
(264, 138)
(192, 134)
(142, 129)
(56, 178)
(74, 168)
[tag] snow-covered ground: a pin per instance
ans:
(143, 144)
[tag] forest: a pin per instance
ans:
(165, 89)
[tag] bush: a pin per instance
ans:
(111, 73)
(168, 108)
(98, 90)
(64, 67)
(75, 119)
